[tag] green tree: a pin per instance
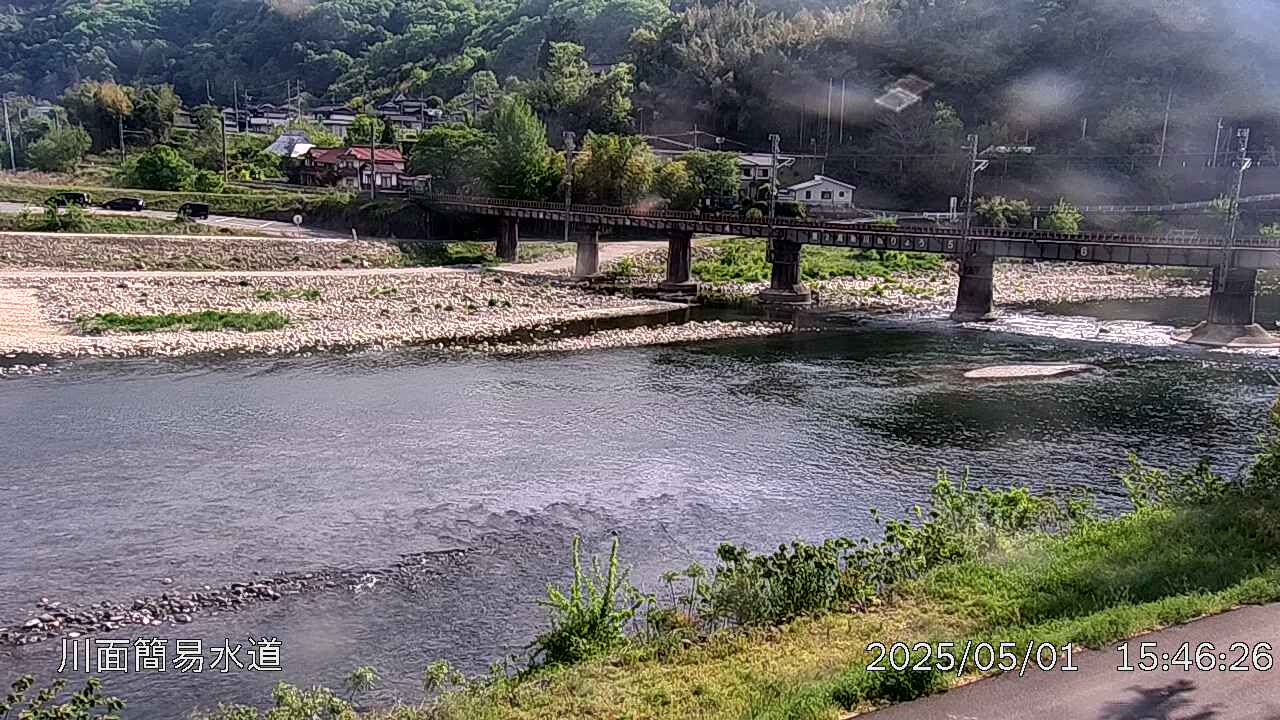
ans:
(152, 114)
(613, 169)
(60, 150)
(364, 129)
(715, 174)
(388, 134)
(673, 183)
(99, 108)
(519, 164)
(698, 179)
(162, 168)
(1064, 217)
(206, 143)
(454, 155)
(573, 97)
(1001, 212)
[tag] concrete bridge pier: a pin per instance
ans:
(679, 282)
(587, 264)
(785, 286)
(975, 297)
(1231, 313)
(508, 239)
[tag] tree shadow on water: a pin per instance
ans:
(1160, 703)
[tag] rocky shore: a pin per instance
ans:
(53, 619)
(325, 310)
(167, 252)
(695, 331)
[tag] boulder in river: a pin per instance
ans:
(1030, 371)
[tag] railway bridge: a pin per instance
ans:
(1235, 264)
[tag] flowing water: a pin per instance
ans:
(117, 475)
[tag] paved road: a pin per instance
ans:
(265, 227)
(1100, 692)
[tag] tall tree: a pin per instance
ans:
(613, 169)
(520, 165)
(453, 156)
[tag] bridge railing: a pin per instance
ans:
(823, 225)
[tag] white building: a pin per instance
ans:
(821, 191)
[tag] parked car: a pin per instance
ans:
(194, 210)
(64, 199)
(131, 204)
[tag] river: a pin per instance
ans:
(117, 475)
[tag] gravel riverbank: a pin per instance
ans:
(326, 310)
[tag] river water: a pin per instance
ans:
(118, 474)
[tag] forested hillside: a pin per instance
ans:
(1078, 78)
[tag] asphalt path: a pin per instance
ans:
(1100, 691)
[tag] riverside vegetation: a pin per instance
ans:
(784, 634)
(75, 220)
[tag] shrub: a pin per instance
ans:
(87, 704)
(60, 150)
(162, 168)
(207, 181)
(1064, 217)
(1001, 212)
(803, 579)
(890, 685)
(589, 620)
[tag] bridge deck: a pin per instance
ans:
(1247, 252)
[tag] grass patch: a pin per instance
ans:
(268, 295)
(435, 254)
(266, 204)
(203, 320)
(743, 260)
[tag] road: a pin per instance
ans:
(264, 227)
(1100, 692)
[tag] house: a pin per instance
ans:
(755, 171)
(292, 145)
(349, 167)
(336, 119)
(821, 191)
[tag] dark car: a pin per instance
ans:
(194, 210)
(130, 204)
(64, 199)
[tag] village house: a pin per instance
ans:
(820, 192)
(349, 167)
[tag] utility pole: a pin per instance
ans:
(8, 134)
(774, 138)
(842, 88)
(373, 149)
(235, 105)
(1217, 143)
(975, 166)
(222, 123)
(569, 138)
(1164, 134)
(120, 127)
(1244, 162)
(831, 86)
